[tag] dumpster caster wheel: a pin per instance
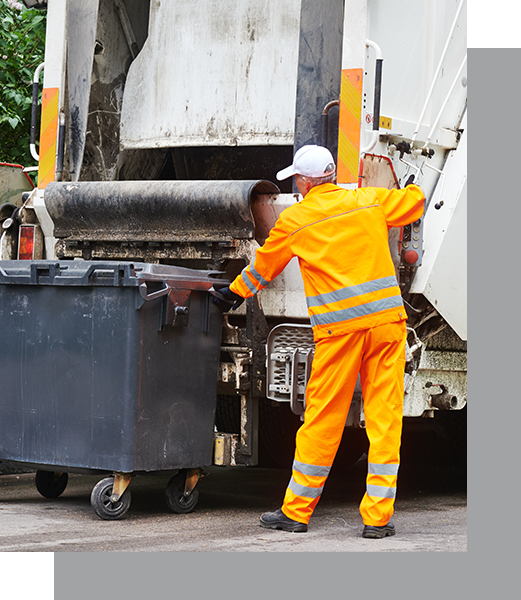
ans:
(103, 506)
(176, 500)
(51, 484)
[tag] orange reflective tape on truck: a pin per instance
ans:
(349, 125)
(48, 136)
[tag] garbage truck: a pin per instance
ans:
(159, 133)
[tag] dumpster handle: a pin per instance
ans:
(162, 292)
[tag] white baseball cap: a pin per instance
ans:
(310, 161)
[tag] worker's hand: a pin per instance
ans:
(226, 299)
(410, 181)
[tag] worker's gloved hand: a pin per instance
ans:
(410, 180)
(226, 299)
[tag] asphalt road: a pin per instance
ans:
(431, 514)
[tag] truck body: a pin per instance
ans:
(163, 125)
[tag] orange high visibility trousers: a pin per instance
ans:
(378, 354)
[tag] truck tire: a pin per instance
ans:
(228, 414)
(451, 427)
(353, 446)
(277, 429)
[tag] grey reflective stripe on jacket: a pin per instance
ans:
(352, 291)
(256, 274)
(357, 311)
(247, 281)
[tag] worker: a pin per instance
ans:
(354, 302)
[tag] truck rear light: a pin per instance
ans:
(26, 243)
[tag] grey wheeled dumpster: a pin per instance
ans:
(108, 367)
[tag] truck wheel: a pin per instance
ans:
(277, 429)
(353, 446)
(102, 504)
(228, 414)
(176, 500)
(51, 484)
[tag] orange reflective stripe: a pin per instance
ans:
(48, 135)
(349, 125)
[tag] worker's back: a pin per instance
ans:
(341, 239)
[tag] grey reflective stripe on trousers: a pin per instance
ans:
(379, 469)
(313, 470)
(354, 290)
(379, 491)
(302, 490)
(357, 311)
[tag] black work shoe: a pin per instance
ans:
(374, 532)
(278, 520)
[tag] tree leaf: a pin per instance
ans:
(22, 46)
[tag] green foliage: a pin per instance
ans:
(22, 44)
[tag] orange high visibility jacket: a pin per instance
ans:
(341, 240)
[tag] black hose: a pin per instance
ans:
(377, 94)
(34, 112)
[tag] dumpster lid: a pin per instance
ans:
(102, 273)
